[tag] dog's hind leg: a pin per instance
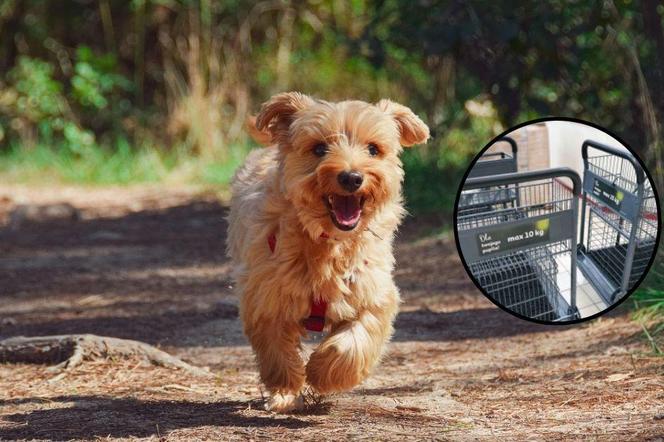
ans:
(277, 347)
(349, 353)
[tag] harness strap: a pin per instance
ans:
(316, 320)
(272, 242)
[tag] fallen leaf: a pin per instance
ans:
(406, 408)
(619, 377)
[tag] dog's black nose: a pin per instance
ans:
(350, 181)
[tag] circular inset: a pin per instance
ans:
(557, 221)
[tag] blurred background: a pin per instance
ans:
(104, 92)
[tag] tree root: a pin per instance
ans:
(68, 351)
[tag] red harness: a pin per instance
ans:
(316, 320)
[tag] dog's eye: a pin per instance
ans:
(320, 149)
(373, 150)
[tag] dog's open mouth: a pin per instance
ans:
(345, 210)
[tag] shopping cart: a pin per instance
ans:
(620, 220)
(514, 250)
(493, 163)
(496, 163)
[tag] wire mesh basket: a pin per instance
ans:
(514, 250)
(491, 163)
(620, 220)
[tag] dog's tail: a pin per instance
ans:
(261, 137)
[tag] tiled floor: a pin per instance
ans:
(588, 300)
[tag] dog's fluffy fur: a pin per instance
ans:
(288, 190)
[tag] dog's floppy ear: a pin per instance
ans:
(278, 112)
(412, 129)
(260, 136)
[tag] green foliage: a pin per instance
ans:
(430, 186)
(36, 109)
(95, 78)
(40, 109)
(91, 77)
(553, 57)
(38, 95)
(434, 172)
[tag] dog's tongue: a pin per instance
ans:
(346, 209)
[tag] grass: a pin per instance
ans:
(122, 165)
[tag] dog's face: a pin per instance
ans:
(340, 161)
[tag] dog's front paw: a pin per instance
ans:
(284, 403)
(330, 370)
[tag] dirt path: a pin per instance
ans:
(148, 264)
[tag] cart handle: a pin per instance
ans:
(511, 142)
(519, 177)
(640, 176)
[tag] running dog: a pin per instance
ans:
(311, 225)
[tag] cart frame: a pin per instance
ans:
(634, 191)
(502, 233)
(483, 168)
(504, 164)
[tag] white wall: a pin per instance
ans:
(566, 138)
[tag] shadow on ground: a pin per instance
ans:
(178, 329)
(98, 416)
(480, 323)
(100, 255)
(161, 276)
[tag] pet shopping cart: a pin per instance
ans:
(619, 220)
(494, 163)
(514, 250)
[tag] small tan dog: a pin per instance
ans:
(310, 232)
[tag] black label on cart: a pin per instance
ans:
(608, 193)
(516, 236)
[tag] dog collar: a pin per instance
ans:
(316, 320)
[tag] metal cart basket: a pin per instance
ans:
(513, 250)
(619, 220)
(494, 163)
